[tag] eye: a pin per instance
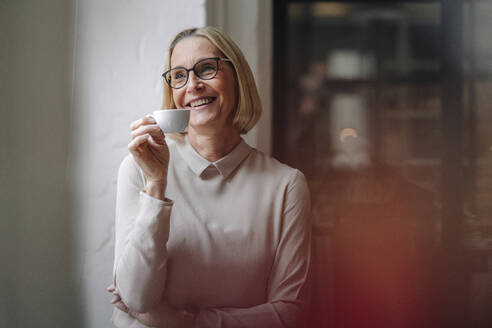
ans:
(206, 68)
(178, 74)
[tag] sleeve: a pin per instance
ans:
(288, 283)
(141, 232)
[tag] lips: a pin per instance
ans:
(200, 102)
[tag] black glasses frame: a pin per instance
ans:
(217, 59)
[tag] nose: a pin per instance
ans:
(194, 82)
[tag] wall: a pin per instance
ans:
(119, 55)
(249, 23)
(74, 74)
(36, 270)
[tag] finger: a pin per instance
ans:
(139, 316)
(152, 129)
(138, 141)
(142, 121)
(155, 144)
(116, 299)
(121, 306)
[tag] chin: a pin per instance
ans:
(202, 117)
(201, 124)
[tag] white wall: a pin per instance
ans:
(120, 49)
(36, 273)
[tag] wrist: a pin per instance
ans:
(156, 189)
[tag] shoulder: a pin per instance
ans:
(289, 186)
(270, 164)
(290, 177)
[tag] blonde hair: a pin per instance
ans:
(248, 110)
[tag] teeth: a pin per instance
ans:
(200, 102)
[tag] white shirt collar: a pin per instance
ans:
(226, 165)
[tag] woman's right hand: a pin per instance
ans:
(149, 149)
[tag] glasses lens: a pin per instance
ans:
(206, 69)
(177, 77)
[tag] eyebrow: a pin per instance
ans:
(201, 58)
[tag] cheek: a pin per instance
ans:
(178, 98)
(234, 97)
(230, 94)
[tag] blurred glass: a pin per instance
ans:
(362, 116)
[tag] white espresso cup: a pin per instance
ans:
(171, 120)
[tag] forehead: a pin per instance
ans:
(191, 49)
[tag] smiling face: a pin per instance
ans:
(212, 102)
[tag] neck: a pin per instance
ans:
(214, 145)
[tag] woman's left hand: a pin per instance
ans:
(162, 316)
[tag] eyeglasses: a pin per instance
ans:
(205, 69)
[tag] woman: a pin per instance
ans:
(209, 231)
